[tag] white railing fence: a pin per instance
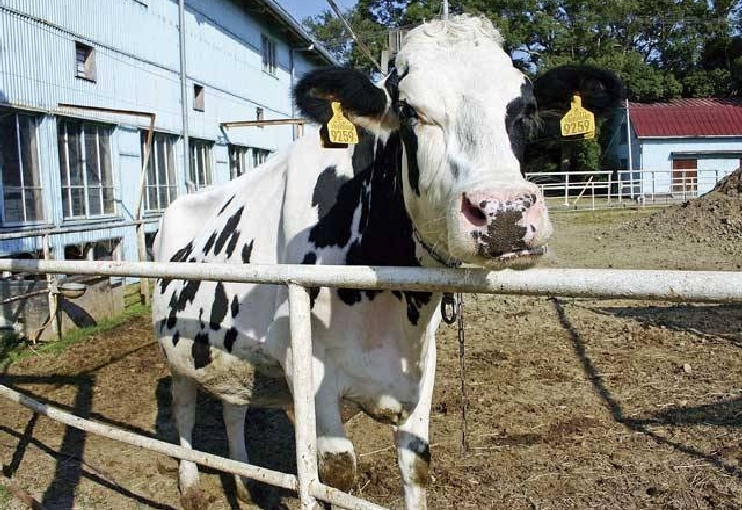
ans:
(609, 188)
(705, 286)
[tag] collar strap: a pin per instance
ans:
(434, 254)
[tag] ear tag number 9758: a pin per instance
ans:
(340, 129)
(578, 123)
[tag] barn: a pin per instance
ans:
(76, 171)
(682, 147)
(65, 166)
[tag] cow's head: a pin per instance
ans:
(464, 114)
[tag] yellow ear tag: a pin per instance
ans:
(341, 130)
(578, 123)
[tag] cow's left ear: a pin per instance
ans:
(360, 99)
(600, 89)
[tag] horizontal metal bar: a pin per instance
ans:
(341, 499)
(261, 123)
(135, 113)
(205, 459)
(69, 230)
(704, 286)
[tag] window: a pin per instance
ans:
(160, 184)
(237, 161)
(200, 173)
(259, 156)
(259, 113)
(199, 98)
(19, 165)
(85, 169)
(84, 61)
(268, 47)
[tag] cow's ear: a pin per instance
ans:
(355, 92)
(600, 89)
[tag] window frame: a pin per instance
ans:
(88, 71)
(268, 55)
(242, 159)
(23, 188)
(171, 172)
(259, 156)
(68, 188)
(207, 148)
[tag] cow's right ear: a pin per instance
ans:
(361, 100)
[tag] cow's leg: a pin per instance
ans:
(336, 456)
(184, 392)
(413, 449)
(234, 419)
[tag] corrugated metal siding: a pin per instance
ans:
(688, 117)
(137, 68)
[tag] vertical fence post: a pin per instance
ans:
(566, 189)
(303, 388)
(51, 285)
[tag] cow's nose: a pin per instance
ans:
(505, 221)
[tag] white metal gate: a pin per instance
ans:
(703, 286)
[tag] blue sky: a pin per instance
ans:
(300, 9)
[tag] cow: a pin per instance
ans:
(434, 181)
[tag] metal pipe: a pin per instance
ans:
(701, 286)
(628, 141)
(261, 123)
(183, 84)
(22, 234)
(276, 478)
(302, 385)
(445, 9)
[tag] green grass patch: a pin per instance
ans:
(5, 497)
(14, 348)
(603, 217)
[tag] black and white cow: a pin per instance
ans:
(434, 181)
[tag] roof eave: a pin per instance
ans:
(298, 30)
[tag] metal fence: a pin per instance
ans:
(705, 286)
(612, 188)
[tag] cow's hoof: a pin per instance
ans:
(338, 470)
(194, 499)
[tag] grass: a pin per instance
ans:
(14, 348)
(5, 497)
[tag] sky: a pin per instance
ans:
(300, 9)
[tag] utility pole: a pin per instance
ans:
(445, 9)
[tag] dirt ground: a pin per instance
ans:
(574, 403)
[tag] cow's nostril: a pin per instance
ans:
(472, 213)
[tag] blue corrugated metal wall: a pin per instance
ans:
(137, 68)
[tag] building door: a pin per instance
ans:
(684, 176)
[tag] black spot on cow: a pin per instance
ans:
(364, 151)
(179, 300)
(201, 351)
(209, 243)
(335, 226)
(247, 252)
(410, 144)
(232, 244)
(326, 190)
(229, 230)
(201, 318)
(176, 338)
(235, 307)
(226, 205)
(415, 301)
(310, 259)
(219, 307)
(349, 296)
(180, 256)
(229, 338)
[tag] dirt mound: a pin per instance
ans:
(714, 219)
(731, 184)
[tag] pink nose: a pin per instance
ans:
(503, 221)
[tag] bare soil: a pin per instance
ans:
(574, 403)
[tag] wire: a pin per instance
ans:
(360, 43)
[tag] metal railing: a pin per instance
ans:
(705, 286)
(609, 188)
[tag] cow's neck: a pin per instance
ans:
(369, 218)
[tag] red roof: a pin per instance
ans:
(688, 117)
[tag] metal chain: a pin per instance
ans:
(462, 372)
